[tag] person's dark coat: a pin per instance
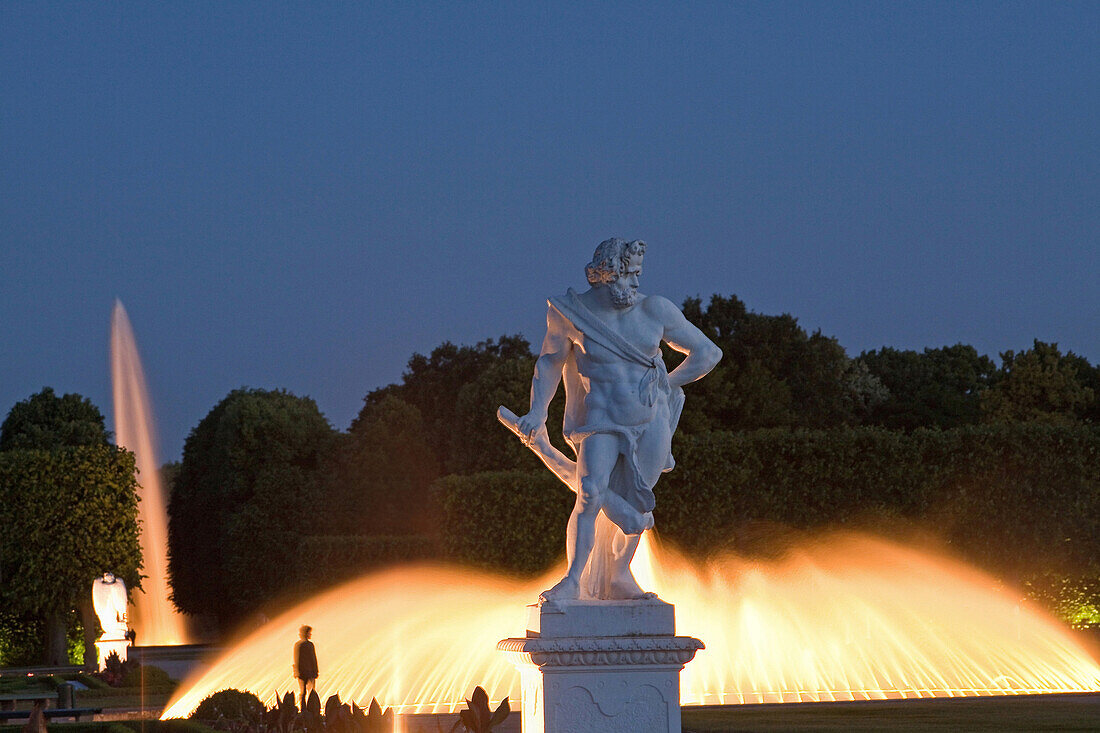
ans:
(305, 659)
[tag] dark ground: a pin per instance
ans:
(1079, 712)
(1075, 712)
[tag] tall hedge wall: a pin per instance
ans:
(1017, 499)
(505, 520)
(331, 559)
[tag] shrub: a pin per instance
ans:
(115, 670)
(92, 681)
(230, 705)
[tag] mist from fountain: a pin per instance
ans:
(152, 616)
(847, 617)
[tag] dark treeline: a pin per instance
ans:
(274, 502)
(1000, 460)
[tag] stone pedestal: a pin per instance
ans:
(601, 667)
(104, 647)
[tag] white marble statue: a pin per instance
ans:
(109, 600)
(622, 407)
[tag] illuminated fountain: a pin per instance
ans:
(152, 616)
(846, 618)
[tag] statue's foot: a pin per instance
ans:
(627, 589)
(567, 589)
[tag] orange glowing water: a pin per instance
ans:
(152, 615)
(850, 618)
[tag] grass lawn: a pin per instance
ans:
(1079, 712)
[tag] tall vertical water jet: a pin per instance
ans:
(153, 617)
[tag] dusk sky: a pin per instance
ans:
(300, 196)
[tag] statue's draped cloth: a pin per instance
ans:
(626, 479)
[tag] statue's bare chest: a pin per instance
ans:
(634, 327)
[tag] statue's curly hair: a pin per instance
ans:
(609, 258)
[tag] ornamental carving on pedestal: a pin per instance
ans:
(601, 651)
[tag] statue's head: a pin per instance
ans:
(616, 264)
(108, 577)
(305, 631)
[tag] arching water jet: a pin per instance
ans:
(848, 618)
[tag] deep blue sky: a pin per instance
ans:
(300, 196)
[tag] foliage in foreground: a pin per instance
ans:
(242, 712)
(478, 717)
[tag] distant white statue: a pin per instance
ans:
(109, 600)
(622, 407)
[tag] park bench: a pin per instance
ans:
(9, 699)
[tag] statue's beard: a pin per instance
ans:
(622, 296)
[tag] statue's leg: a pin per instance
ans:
(595, 461)
(654, 445)
(624, 516)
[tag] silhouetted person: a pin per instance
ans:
(305, 664)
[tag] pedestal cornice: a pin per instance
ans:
(608, 651)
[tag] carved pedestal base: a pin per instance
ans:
(601, 667)
(104, 647)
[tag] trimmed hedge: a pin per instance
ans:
(147, 676)
(1018, 499)
(505, 520)
(135, 690)
(328, 560)
(92, 682)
